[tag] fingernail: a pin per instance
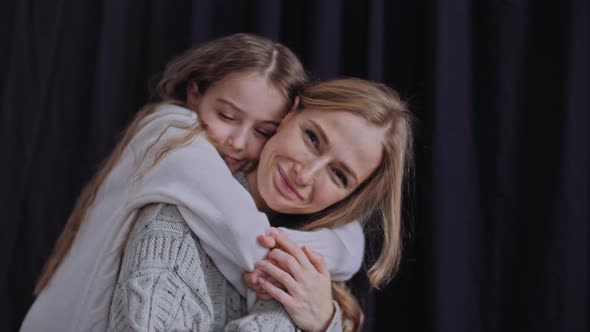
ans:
(260, 263)
(261, 281)
(273, 231)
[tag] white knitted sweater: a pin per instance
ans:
(168, 283)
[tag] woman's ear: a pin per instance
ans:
(294, 109)
(295, 105)
(192, 95)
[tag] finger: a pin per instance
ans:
(276, 283)
(267, 241)
(277, 274)
(291, 264)
(251, 281)
(317, 260)
(256, 273)
(290, 247)
(277, 293)
(272, 281)
(250, 277)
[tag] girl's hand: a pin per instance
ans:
(251, 278)
(308, 291)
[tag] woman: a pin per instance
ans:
(258, 78)
(341, 157)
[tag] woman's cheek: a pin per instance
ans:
(256, 149)
(330, 195)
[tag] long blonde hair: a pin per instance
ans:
(207, 64)
(382, 107)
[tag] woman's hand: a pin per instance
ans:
(303, 274)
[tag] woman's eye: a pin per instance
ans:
(224, 116)
(313, 138)
(341, 177)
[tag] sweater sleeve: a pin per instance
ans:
(272, 316)
(156, 301)
(161, 280)
(342, 247)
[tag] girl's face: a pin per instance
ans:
(240, 113)
(316, 159)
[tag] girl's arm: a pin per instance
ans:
(341, 247)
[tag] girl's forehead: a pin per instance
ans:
(249, 93)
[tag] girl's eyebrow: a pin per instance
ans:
(235, 107)
(229, 103)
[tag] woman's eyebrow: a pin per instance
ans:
(324, 137)
(320, 131)
(350, 171)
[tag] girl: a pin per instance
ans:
(246, 81)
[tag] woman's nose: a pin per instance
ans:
(305, 172)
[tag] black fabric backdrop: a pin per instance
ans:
(498, 234)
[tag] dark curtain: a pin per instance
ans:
(496, 233)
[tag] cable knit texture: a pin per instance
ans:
(168, 283)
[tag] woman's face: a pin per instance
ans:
(316, 159)
(240, 113)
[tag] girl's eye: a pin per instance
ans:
(341, 177)
(264, 134)
(224, 116)
(312, 137)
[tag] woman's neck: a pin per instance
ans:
(251, 179)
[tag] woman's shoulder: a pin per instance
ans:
(161, 239)
(164, 266)
(160, 218)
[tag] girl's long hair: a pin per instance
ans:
(207, 64)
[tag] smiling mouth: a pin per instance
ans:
(285, 186)
(230, 160)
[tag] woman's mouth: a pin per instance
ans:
(285, 187)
